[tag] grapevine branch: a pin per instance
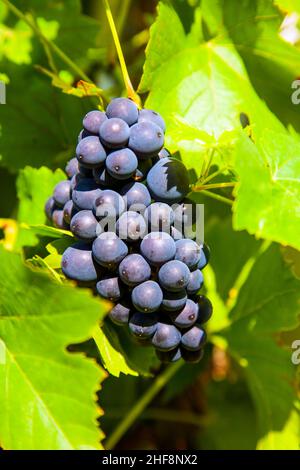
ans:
(129, 87)
(142, 403)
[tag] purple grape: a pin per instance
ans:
(119, 314)
(142, 325)
(204, 256)
(72, 167)
(205, 309)
(176, 234)
(85, 193)
(146, 115)
(174, 301)
(108, 204)
(109, 288)
(69, 211)
(136, 196)
(174, 276)
(114, 133)
(146, 139)
(50, 207)
(93, 120)
(109, 250)
(195, 282)
(78, 263)
(188, 252)
(147, 297)
(131, 226)
(168, 181)
(84, 225)
(62, 193)
(90, 152)
(186, 317)
(193, 339)
(158, 248)
(123, 108)
(160, 217)
(121, 164)
(134, 270)
(166, 337)
(58, 219)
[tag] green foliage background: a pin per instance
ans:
(201, 64)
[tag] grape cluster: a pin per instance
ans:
(124, 203)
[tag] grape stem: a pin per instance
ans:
(213, 175)
(129, 87)
(141, 404)
(213, 186)
(212, 195)
(47, 42)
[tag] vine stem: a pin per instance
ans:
(226, 200)
(129, 87)
(214, 186)
(141, 404)
(46, 41)
(213, 175)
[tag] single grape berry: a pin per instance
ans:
(136, 196)
(166, 337)
(78, 264)
(205, 309)
(147, 297)
(174, 301)
(119, 314)
(50, 207)
(69, 211)
(146, 139)
(174, 276)
(93, 120)
(121, 164)
(142, 325)
(124, 109)
(149, 115)
(58, 219)
(195, 283)
(134, 270)
(109, 288)
(62, 193)
(108, 204)
(168, 181)
(194, 338)
(72, 167)
(84, 194)
(84, 225)
(131, 226)
(188, 252)
(90, 152)
(204, 256)
(158, 248)
(109, 250)
(114, 133)
(187, 316)
(159, 216)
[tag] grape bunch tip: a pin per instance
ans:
(118, 202)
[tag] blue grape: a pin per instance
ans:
(134, 270)
(85, 193)
(187, 316)
(50, 207)
(188, 252)
(146, 139)
(58, 219)
(114, 133)
(144, 166)
(109, 288)
(195, 282)
(136, 196)
(205, 309)
(108, 204)
(176, 234)
(69, 211)
(147, 297)
(131, 226)
(123, 108)
(142, 326)
(121, 164)
(84, 225)
(160, 217)
(164, 153)
(166, 337)
(158, 248)
(93, 120)
(90, 152)
(72, 167)
(119, 314)
(83, 134)
(169, 356)
(168, 181)
(204, 256)
(62, 193)
(174, 301)
(174, 275)
(194, 338)
(78, 263)
(191, 357)
(109, 250)
(146, 115)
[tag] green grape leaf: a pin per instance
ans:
(268, 195)
(45, 391)
(197, 81)
(268, 303)
(34, 186)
